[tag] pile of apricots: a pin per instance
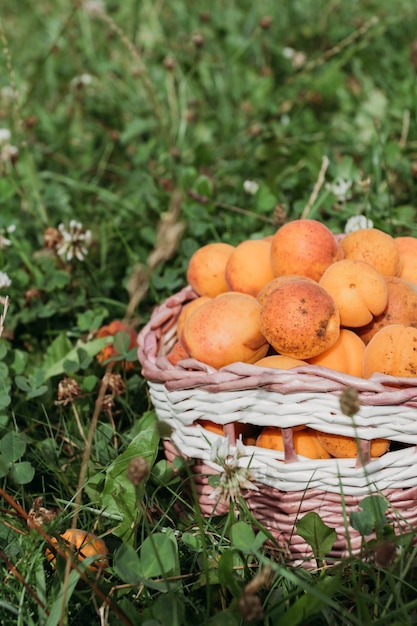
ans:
(305, 296)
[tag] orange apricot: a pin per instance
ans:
(300, 319)
(393, 351)
(225, 330)
(375, 247)
(280, 361)
(189, 308)
(248, 268)
(401, 309)
(246, 431)
(306, 442)
(407, 247)
(107, 353)
(341, 446)
(278, 280)
(346, 355)
(359, 290)
(82, 544)
(205, 271)
(177, 353)
(306, 247)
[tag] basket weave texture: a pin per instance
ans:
(288, 485)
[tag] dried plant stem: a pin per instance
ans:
(236, 209)
(105, 598)
(344, 43)
(405, 129)
(316, 190)
(81, 479)
(3, 315)
(168, 233)
(13, 570)
(12, 76)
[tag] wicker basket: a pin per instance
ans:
(288, 486)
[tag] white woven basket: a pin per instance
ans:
(308, 395)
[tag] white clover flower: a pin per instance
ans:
(288, 52)
(94, 8)
(233, 478)
(74, 241)
(285, 120)
(357, 222)
(5, 136)
(251, 187)
(7, 94)
(9, 153)
(296, 57)
(340, 188)
(83, 80)
(5, 241)
(4, 280)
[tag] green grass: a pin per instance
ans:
(142, 121)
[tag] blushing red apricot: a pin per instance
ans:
(278, 280)
(300, 319)
(305, 247)
(225, 330)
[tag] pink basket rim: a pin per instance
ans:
(379, 389)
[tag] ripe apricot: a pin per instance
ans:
(306, 247)
(341, 446)
(375, 247)
(401, 308)
(280, 361)
(407, 247)
(306, 442)
(278, 280)
(205, 271)
(83, 544)
(300, 319)
(392, 350)
(187, 310)
(246, 431)
(108, 352)
(359, 290)
(224, 330)
(177, 353)
(346, 355)
(248, 268)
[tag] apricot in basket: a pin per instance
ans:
(247, 432)
(346, 355)
(393, 351)
(300, 319)
(305, 247)
(225, 330)
(375, 247)
(341, 446)
(360, 291)
(306, 442)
